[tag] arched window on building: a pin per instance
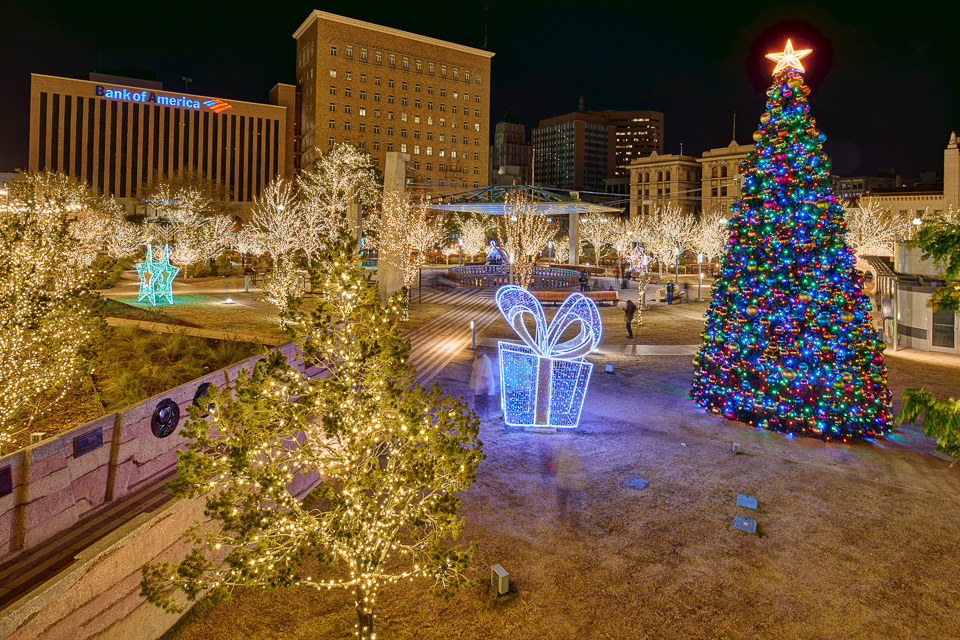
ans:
(668, 176)
(660, 176)
(713, 172)
(723, 172)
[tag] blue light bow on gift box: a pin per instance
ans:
(543, 381)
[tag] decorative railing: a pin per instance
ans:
(486, 276)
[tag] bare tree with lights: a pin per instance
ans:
(473, 235)
(404, 233)
(710, 235)
(666, 234)
(523, 233)
(599, 231)
(394, 457)
(277, 228)
(47, 325)
(339, 179)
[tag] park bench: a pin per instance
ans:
(557, 297)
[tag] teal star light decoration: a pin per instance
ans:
(156, 278)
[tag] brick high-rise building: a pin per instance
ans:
(639, 133)
(384, 90)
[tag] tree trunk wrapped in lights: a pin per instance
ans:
(47, 326)
(394, 458)
(788, 343)
(523, 233)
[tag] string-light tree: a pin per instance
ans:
(666, 234)
(561, 249)
(394, 456)
(278, 223)
(195, 219)
(450, 250)
(523, 232)
(48, 329)
(124, 238)
(710, 235)
(872, 230)
(788, 343)
(625, 234)
(403, 234)
(339, 179)
(599, 231)
(473, 235)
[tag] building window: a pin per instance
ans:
(713, 173)
(416, 165)
(476, 171)
(430, 67)
(376, 97)
(723, 192)
(404, 85)
(429, 165)
(441, 153)
(453, 139)
(347, 92)
(363, 77)
(478, 82)
(723, 172)
(391, 83)
(668, 176)
(453, 154)
(660, 176)
(476, 155)
(362, 111)
(363, 94)
(419, 67)
(442, 137)
(417, 87)
(363, 55)
(393, 60)
(713, 190)
(476, 142)
(416, 133)
(429, 151)
(443, 71)
(416, 119)
(378, 59)
(390, 99)
(389, 146)
(416, 149)
(376, 80)
(332, 124)
(346, 126)
(389, 115)
(333, 49)
(429, 119)
(403, 133)
(403, 148)
(406, 63)
(376, 113)
(389, 131)
(403, 100)
(443, 92)
(430, 105)
(416, 103)
(330, 141)
(349, 75)
(476, 126)
(441, 122)
(333, 90)
(453, 109)
(456, 73)
(443, 107)
(376, 128)
(430, 90)
(348, 52)
(333, 73)
(363, 127)
(429, 135)
(346, 108)
(466, 76)
(333, 106)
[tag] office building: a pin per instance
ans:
(721, 176)
(385, 90)
(583, 149)
(665, 180)
(118, 134)
(510, 155)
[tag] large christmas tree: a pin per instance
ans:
(788, 344)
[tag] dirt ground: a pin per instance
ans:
(853, 541)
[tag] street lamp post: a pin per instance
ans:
(700, 280)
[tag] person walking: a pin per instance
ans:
(628, 316)
(483, 382)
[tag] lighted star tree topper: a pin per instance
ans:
(543, 382)
(788, 343)
(156, 278)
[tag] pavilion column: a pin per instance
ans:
(389, 279)
(574, 232)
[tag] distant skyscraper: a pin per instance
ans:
(580, 150)
(510, 154)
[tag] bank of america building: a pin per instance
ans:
(117, 134)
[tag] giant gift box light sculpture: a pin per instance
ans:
(543, 382)
(156, 278)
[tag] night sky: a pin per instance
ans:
(884, 78)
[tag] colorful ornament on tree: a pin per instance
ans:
(788, 343)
